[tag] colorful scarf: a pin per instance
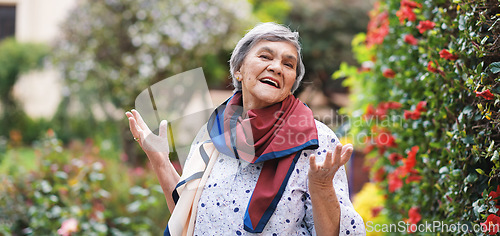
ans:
(275, 135)
(188, 191)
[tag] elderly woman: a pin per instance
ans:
(261, 164)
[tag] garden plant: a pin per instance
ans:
(426, 103)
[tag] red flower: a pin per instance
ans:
(404, 13)
(394, 105)
(377, 210)
(411, 160)
(495, 194)
(410, 39)
(413, 176)
(377, 28)
(486, 94)
(389, 73)
(409, 3)
(413, 152)
(394, 157)
(370, 112)
(409, 163)
(385, 139)
(431, 67)
(492, 224)
(380, 112)
(414, 215)
(413, 218)
(421, 106)
(425, 25)
(414, 115)
(394, 181)
(383, 106)
(447, 55)
(379, 175)
(368, 148)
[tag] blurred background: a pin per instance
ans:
(69, 69)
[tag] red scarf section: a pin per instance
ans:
(275, 135)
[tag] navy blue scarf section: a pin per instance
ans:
(275, 135)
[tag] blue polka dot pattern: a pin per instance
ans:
(224, 199)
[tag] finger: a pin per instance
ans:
(139, 120)
(346, 154)
(163, 129)
(129, 114)
(133, 127)
(142, 138)
(346, 148)
(312, 163)
(336, 154)
(328, 159)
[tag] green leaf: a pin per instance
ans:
(490, 148)
(472, 177)
(443, 170)
(494, 67)
(495, 156)
(481, 172)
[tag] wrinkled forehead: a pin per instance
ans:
(287, 48)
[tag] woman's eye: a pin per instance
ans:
(289, 65)
(264, 56)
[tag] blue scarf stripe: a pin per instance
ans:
(270, 210)
(175, 194)
(204, 155)
(232, 125)
(311, 144)
(166, 232)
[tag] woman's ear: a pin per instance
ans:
(238, 76)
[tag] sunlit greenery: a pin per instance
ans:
(426, 103)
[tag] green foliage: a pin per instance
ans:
(432, 143)
(104, 196)
(326, 29)
(16, 58)
(271, 10)
(112, 50)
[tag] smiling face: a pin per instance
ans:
(267, 73)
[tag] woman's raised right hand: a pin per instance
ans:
(155, 146)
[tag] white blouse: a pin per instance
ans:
(229, 187)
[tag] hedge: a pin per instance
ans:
(426, 102)
(78, 191)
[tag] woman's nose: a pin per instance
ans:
(274, 66)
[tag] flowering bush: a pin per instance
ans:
(436, 156)
(76, 192)
(369, 203)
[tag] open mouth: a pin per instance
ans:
(270, 82)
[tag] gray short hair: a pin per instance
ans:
(265, 31)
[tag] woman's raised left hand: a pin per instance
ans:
(321, 174)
